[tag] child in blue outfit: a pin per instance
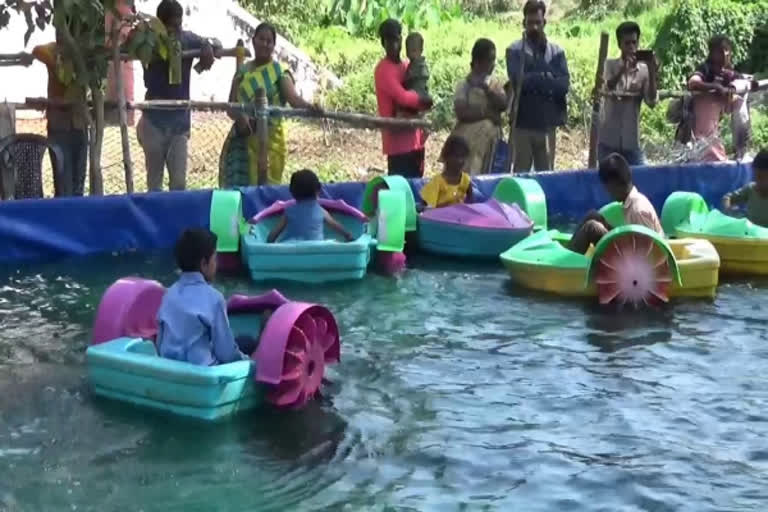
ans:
(192, 321)
(306, 219)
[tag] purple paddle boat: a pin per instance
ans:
(480, 230)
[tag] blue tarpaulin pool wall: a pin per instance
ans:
(38, 230)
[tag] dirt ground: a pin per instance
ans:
(338, 153)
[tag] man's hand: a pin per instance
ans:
(722, 90)
(207, 57)
(27, 59)
(242, 126)
(630, 63)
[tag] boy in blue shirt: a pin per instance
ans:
(192, 321)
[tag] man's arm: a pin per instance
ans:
(555, 82)
(206, 47)
(559, 80)
(651, 86)
(737, 197)
(225, 349)
(612, 74)
(697, 83)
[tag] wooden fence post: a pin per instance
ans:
(596, 99)
(262, 132)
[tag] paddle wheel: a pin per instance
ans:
(632, 268)
(296, 344)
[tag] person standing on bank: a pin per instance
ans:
(67, 123)
(633, 74)
(404, 147)
(239, 160)
(164, 134)
(545, 86)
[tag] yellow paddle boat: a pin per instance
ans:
(631, 263)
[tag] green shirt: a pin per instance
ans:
(757, 205)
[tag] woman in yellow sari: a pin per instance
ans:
(239, 156)
(479, 102)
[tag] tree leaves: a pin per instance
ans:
(364, 16)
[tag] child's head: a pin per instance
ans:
(760, 170)
(196, 252)
(414, 45)
(454, 154)
(616, 176)
(304, 185)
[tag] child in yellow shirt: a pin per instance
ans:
(453, 186)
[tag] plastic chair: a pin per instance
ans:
(21, 163)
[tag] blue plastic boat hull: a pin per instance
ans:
(129, 370)
(458, 240)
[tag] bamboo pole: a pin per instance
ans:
(262, 134)
(122, 111)
(354, 118)
(518, 89)
(595, 128)
(762, 85)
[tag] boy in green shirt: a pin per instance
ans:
(755, 194)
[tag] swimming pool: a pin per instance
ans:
(455, 392)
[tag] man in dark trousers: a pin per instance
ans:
(543, 92)
(164, 134)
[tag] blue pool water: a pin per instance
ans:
(456, 391)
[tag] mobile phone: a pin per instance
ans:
(644, 55)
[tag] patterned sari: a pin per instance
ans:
(239, 156)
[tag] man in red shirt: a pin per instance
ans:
(404, 147)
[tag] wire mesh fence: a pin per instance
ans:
(209, 130)
(336, 151)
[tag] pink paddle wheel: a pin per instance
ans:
(296, 344)
(633, 269)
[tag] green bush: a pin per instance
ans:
(363, 17)
(291, 17)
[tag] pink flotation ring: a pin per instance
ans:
(128, 308)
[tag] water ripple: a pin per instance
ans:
(457, 391)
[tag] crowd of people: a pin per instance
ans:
(537, 72)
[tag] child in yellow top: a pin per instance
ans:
(453, 186)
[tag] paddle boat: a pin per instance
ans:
(631, 264)
(742, 245)
(331, 259)
(479, 230)
(295, 342)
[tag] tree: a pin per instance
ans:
(85, 51)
